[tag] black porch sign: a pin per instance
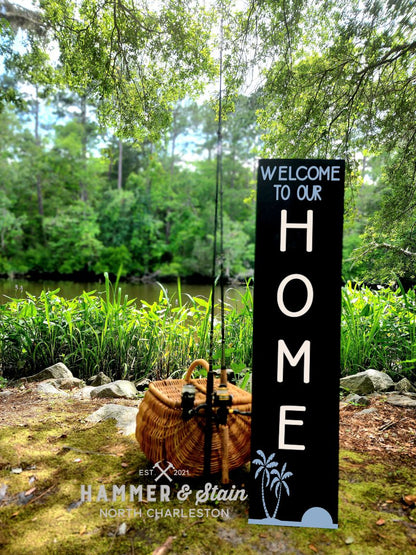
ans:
(297, 304)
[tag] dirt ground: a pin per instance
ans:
(380, 428)
(384, 429)
(25, 405)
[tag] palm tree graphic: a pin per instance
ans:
(279, 482)
(267, 468)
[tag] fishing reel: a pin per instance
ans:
(222, 400)
(187, 401)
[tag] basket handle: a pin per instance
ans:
(198, 362)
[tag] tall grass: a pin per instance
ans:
(105, 331)
(126, 338)
(378, 330)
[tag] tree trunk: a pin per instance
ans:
(37, 142)
(82, 185)
(278, 502)
(120, 166)
(39, 195)
(266, 512)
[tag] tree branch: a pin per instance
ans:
(374, 246)
(20, 17)
(399, 51)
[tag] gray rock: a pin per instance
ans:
(99, 379)
(358, 400)
(402, 401)
(381, 380)
(3, 491)
(367, 411)
(83, 393)
(118, 389)
(122, 529)
(405, 386)
(367, 382)
(358, 383)
(143, 384)
(48, 388)
(69, 383)
(125, 417)
(5, 393)
(57, 371)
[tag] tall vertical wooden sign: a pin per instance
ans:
(297, 304)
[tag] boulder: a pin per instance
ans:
(381, 380)
(49, 388)
(405, 386)
(83, 393)
(118, 389)
(363, 412)
(125, 417)
(359, 400)
(69, 383)
(402, 401)
(367, 382)
(5, 393)
(56, 372)
(360, 384)
(99, 379)
(143, 384)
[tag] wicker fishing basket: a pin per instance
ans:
(164, 435)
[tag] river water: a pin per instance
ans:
(17, 289)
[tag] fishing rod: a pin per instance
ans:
(218, 222)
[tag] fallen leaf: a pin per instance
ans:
(124, 465)
(165, 547)
(409, 500)
(29, 491)
(313, 548)
(83, 530)
(380, 522)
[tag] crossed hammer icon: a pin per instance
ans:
(163, 471)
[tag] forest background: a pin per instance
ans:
(108, 127)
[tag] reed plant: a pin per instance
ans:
(106, 331)
(378, 330)
(239, 334)
(126, 338)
